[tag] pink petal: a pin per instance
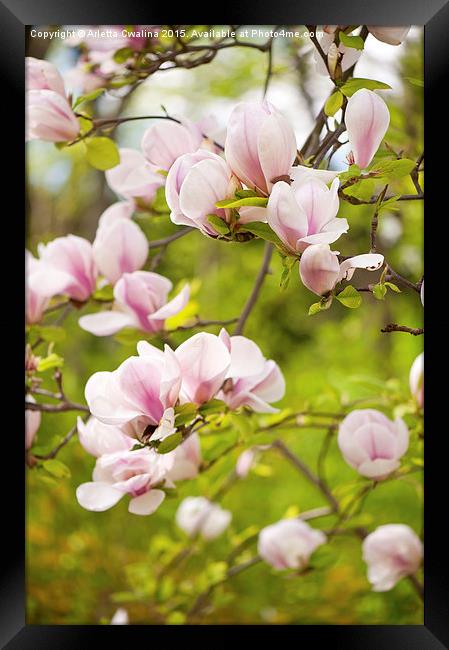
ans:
(147, 503)
(105, 323)
(97, 497)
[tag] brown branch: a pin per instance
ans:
(375, 219)
(393, 327)
(56, 408)
(54, 452)
(264, 270)
(162, 243)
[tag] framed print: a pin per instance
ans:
(224, 325)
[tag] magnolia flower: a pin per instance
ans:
(260, 145)
(120, 246)
(137, 394)
(50, 117)
(79, 80)
(367, 119)
(348, 56)
(371, 443)
(301, 173)
(120, 617)
(391, 552)
(166, 141)
(416, 379)
(98, 438)
(42, 75)
(32, 423)
(289, 543)
(199, 516)
(305, 213)
(390, 35)
(187, 459)
(134, 177)
(321, 271)
(204, 361)
(251, 380)
(195, 182)
(138, 473)
(35, 302)
(247, 459)
(140, 301)
(67, 267)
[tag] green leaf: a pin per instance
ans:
(51, 333)
(258, 201)
(169, 443)
(353, 172)
(415, 82)
(261, 230)
(393, 169)
(355, 42)
(123, 54)
(353, 85)
(349, 297)
(185, 413)
(56, 468)
(333, 103)
(213, 406)
(104, 294)
(244, 194)
(220, 226)
(379, 291)
(52, 361)
(89, 97)
(102, 153)
(393, 287)
(315, 308)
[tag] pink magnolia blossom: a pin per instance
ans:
(195, 182)
(138, 393)
(120, 617)
(367, 119)
(140, 301)
(416, 379)
(289, 543)
(98, 438)
(260, 145)
(301, 173)
(204, 361)
(166, 141)
(138, 473)
(199, 516)
(49, 117)
(67, 267)
(250, 380)
(35, 302)
(390, 35)
(188, 459)
(42, 75)
(134, 177)
(371, 443)
(305, 213)
(348, 55)
(391, 552)
(321, 271)
(120, 246)
(32, 423)
(247, 459)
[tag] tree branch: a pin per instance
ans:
(264, 270)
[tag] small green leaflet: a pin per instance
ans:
(169, 443)
(355, 42)
(393, 168)
(89, 97)
(353, 85)
(349, 297)
(102, 153)
(220, 226)
(334, 103)
(258, 201)
(261, 230)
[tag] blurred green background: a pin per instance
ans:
(80, 565)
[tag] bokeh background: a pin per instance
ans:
(80, 565)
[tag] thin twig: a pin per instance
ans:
(264, 270)
(393, 327)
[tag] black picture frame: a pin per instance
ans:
(434, 15)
